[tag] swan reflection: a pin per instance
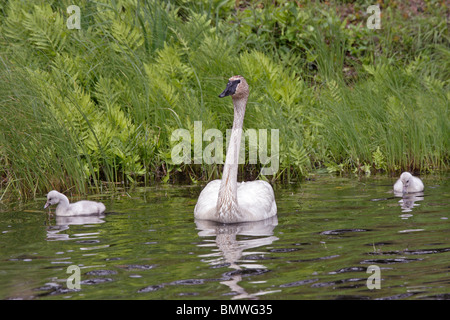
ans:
(408, 201)
(228, 248)
(63, 223)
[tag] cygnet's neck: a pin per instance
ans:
(63, 201)
(227, 199)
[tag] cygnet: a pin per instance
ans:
(408, 184)
(64, 208)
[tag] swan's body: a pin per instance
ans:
(65, 208)
(408, 184)
(255, 201)
(226, 200)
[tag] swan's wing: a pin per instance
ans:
(398, 186)
(256, 200)
(207, 201)
(417, 185)
(86, 207)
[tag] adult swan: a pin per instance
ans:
(226, 200)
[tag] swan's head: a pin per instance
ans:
(237, 88)
(406, 179)
(53, 197)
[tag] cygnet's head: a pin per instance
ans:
(237, 88)
(53, 197)
(405, 178)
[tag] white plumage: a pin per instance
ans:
(226, 200)
(255, 201)
(408, 184)
(64, 208)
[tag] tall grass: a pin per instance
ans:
(393, 120)
(37, 151)
(96, 107)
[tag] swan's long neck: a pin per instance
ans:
(63, 204)
(227, 205)
(63, 201)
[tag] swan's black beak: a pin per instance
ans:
(230, 89)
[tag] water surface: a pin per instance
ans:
(327, 233)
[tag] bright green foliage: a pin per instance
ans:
(95, 106)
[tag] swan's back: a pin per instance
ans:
(206, 207)
(83, 207)
(256, 202)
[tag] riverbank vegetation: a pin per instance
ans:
(95, 107)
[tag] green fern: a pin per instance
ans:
(47, 29)
(126, 35)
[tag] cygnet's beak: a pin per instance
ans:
(405, 188)
(46, 205)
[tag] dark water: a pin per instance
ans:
(327, 234)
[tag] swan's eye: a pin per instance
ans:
(233, 85)
(230, 89)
